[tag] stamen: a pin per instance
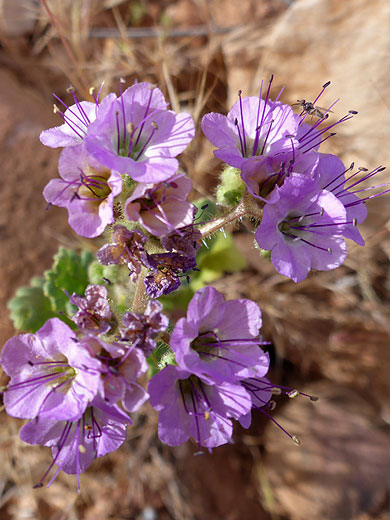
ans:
(63, 438)
(145, 115)
(154, 129)
(318, 143)
(66, 118)
(266, 137)
(239, 136)
(292, 437)
(121, 81)
(265, 106)
(257, 136)
(242, 123)
(118, 133)
(338, 176)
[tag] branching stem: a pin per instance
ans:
(249, 206)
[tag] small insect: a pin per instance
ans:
(310, 109)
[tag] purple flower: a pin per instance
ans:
(163, 207)
(127, 248)
(140, 329)
(87, 190)
(52, 375)
(120, 381)
(219, 339)
(75, 444)
(253, 127)
(137, 135)
(304, 229)
(166, 271)
(77, 119)
(94, 312)
(331, 175)
(189, 406)
(263, 176)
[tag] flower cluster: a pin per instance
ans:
(216, 349)
(70, 385)
(119, 178)
(301, 195)
(119, 166)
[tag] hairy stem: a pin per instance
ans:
(141, 299)
(249, 206)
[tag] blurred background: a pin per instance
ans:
(329, 334)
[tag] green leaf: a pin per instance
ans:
(99, 274)
(30, 308)
(69, 273)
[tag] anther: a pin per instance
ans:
(325, 85)
(197, 453)
(329, 250)
(362, 169)
(276, 390)
(122, 80)
(236, 121)
(70, 89)
(272, 405)
(106, 280)
(206, 416)
(354, 222)
(30, 363)
(322, 212)
(293, 394)
(91, 91)
(154, 125)
(39, 485)
(296, 440)
(314, 398)
(130, 127)
(82, 449)
(56, 109)
(353, 112)
(381, 169)
(239, 93)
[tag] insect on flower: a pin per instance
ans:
(312, 110)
